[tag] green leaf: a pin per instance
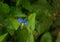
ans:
(26, 4)
(18, 2)
(43, 2)
(15, 12)
(46, 37)
(2, 37)
(14, 23)
(10, 28)
(40, 5)
(22, 35)
(31, 37)
(4, 8)
(31, 20)
(44, 21)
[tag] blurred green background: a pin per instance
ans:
(29, 20)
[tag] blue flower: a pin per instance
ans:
(26, 22)
(20, 20)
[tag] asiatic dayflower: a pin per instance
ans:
(20, 20)
(26, 22)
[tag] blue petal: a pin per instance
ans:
(20, 20)
(26, 23)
